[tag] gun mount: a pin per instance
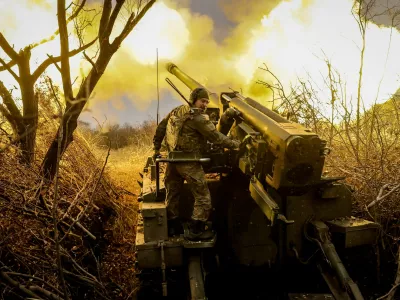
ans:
(272, 205)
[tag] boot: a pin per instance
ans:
(199, 230)
(174, 227)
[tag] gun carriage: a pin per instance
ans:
(272, 205)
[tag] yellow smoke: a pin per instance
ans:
(161, 28)
(26, 22)
(293, 38)
(184, 38)
(246, 11)
(180, 36)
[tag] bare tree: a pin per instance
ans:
(24, 124)
(363, 12)
(107, 48)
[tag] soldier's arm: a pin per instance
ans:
(160, 133)
(208, 130)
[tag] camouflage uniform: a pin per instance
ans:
(187, 129)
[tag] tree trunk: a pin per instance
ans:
(24, 124)
(27, 138)
(73, 109)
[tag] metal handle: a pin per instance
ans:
(284, 220)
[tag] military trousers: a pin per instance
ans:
(193, 173)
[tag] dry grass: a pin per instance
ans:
(126, 163)
(373, 170)
(123, 167)
(373, 174)
(104, 202)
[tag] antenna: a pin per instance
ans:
(158, 92)
(176, 89)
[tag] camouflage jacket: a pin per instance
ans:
(187, 129)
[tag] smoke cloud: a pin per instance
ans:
(187, 39)
(292, 37)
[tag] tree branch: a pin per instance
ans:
(380, 196)
(36, 278)
(105, 16)
(7, 48)
(82, 213)
(53, 36)
(9, 102)
(49, 61)
(64, 44)
(90, 61)
(76, 12)
(131, 23)
(113, 17)
(47, 293)
(9, 117)
(55, 217)
(54, 62)
(18, 285)
(8, 65)
(388, 293)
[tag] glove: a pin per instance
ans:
(156, 154)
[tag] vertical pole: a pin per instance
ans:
(158, 92)
(157, 161)
(163, 268)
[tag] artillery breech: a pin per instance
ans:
(263, 123)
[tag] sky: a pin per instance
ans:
(222, 44)
(234, 22)
(124, 110)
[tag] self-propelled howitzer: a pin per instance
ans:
(272, 205)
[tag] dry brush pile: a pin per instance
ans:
(71, 239)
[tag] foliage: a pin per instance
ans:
(120, 136)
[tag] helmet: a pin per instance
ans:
(198, 93)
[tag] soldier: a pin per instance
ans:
(187, 128)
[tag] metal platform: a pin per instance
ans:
(149, 253)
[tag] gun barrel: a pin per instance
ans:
(265, 121)
(262, 122)
(266, 111)
(191, 83)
